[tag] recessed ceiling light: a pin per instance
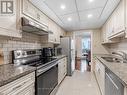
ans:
(90, 15)
(91, 0)
(69, 19)
(62, 6)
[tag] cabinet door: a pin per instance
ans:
(107, 31)
(65, 65)
(104, 33)
(59, 72)
(42, 18)
(111, 25)
(30, 90)
(9, 23)
(120, 17)
(100, 75)
(19, 85)
(58, 34)
(28, 9)
(51, 28)
(62, 69)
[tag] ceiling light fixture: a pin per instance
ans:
(62, 6)
(91, 0)
(90, 16)
(69, 19)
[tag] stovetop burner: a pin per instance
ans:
(42, 61)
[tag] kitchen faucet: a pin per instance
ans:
(122, 54)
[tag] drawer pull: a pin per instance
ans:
(19, 86)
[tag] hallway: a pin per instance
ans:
(82, 65)
(81, 83)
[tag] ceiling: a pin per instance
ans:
(75, 15)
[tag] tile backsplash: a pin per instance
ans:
(122, 46)
(28, 41)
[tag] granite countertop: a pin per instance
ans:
(9, 72)
(119, 69)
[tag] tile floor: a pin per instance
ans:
(81, 83)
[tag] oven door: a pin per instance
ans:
(47, 81)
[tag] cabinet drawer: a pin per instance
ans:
(18, 85)
(28, 91)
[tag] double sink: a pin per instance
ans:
(114, 59)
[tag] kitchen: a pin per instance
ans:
(38, 47)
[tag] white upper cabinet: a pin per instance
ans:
(50, 38)
(103, 33)
(119, 19)
(28, 9)
(115, 27)
(32, 12)
(126, 17)
(107, 30)
(58, 34)
(9, 23)
(55, 33)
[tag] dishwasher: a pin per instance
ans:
(112, 84)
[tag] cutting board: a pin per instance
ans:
(1, 57)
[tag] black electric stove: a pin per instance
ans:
(30, 57)
(46, 72)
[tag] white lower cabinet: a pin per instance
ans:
(62, 69)
(22, 86)
(100, 75)
(28, 91)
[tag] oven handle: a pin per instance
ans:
(42, 70)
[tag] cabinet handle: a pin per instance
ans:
(112, 81)
(19, 86)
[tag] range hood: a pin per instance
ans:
(33, 27)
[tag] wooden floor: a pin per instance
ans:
(82, 65)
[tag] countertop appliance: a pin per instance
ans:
(46, 72)
(112, 84)
(47, 52)
(67, 45)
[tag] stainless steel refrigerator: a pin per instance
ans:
(68, 48)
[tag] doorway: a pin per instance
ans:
(83, 51)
